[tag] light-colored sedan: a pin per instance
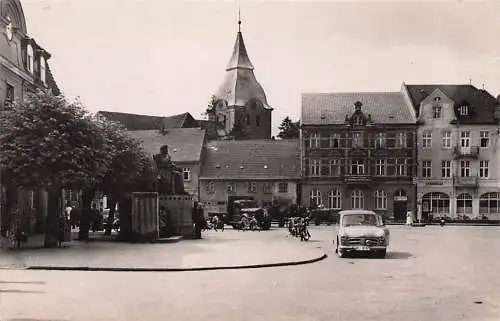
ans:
(361, 231)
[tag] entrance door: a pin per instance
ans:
(400, 205)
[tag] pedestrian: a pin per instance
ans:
(68, 210)
(215, 222)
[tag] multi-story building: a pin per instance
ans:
(265, 169)
(357, 151)
(24, 67)
(458, 150)
(240, 101)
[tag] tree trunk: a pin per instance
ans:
(52, 219)
(41, 210)
(87, 197)
(111, 216)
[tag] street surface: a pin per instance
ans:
(431, 273)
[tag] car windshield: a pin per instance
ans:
(359, 219)
(248, 204)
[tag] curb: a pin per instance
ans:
(207, 268)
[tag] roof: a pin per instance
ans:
(147, 122)
(51, 82)
(252, 160)
(240, 85)
(184, 144)
(481, 102)
(332, 108)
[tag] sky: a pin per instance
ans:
(160, 57)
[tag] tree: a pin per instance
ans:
(49, 142)
(288, 129)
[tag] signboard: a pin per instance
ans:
(401, 198)
(145, 220)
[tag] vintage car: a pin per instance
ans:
(361, 231)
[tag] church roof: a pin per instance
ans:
(147, 122)
(240, 85)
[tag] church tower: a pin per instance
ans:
(239, 108)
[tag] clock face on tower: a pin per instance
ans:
(8, 29)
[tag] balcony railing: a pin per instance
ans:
(469, 181)
(466, 152)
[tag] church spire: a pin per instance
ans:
(239, 59)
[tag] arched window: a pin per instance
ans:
(211, 187)
(29, 58)
(464, 203)
(315, 198)
(335, 199)
(380, 200)
(357, 199)
(436, 203)
(42, 70)
(489, 203)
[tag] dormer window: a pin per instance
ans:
(437, 100)
(436, 111)
(42, 69)
(463, 110)
(29, 58)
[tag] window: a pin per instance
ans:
(314, 140)
(401, 166)
(186, 171)
(484, 168)
(401, 140)
(489, 203)
(357, 199)
(32, 199)
(231, 188)
(9, 94)
(315, 167)
(283, 187)
(380, 167)
(427, 139)
(463, 110)
(446, 169)
(335, 168)
(465, 168)
(29, 58)
(436, 203)
(380, 200)
(268, 188)
(357, 140)
(252, 187)
(315, 198)
(211, 187)
(426, 168)
(257, 120)
(446, 139)
(380, 140)
(465, 139)
(335, 199)
(42, 69)
(436, 111)
(484, 138)
(335, 141)
(464, 204)
(357, 167)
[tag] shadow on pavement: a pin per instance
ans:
(399, 255)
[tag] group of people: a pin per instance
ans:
(74, 216)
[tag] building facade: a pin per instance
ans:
(239, 109)
(264, 169)
(458, 148)
(24, 67)
(358, 151)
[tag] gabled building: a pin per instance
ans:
(458, 149)
(240, 109)
(185, 146)
(358, 151)
(24, 68)
(264, 169)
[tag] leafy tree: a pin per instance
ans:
(49, 142)
(288, 129)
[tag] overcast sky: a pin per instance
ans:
(164, 57)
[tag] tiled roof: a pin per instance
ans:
(482, 103)
(184, 144)
(147, 122)
(251, 159)
(51, 82)
(332, 108)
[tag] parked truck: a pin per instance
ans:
(239, 205)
